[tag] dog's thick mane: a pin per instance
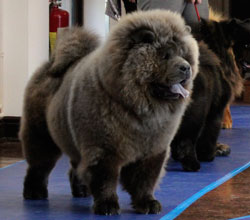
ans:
(228, 55)
(216, 34)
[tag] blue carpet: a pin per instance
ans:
(176, 187)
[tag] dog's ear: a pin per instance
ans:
(235, 23)
(246, 21)
(143, 36)
(246, 24)
(233, 26)
(240, 29)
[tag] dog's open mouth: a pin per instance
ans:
(175, 91)
(246, 66)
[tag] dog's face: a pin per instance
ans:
(241, 45)
(159, 58)
(159, 66)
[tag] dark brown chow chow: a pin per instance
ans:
(241, 51)
(113, 111)
(218, 82)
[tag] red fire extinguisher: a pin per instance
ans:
(58, 19)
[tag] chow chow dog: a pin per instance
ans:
(242, 57)
(218, 82)
(241, 50)
(113, 109)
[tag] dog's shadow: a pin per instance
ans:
(64, 207)
(173, 166)
(57, 206)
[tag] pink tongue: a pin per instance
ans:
(178, 89)
(246, 65)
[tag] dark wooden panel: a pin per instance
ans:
(10, 152)
(9, 127)
(77, 12)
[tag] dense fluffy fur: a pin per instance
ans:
(216, 85)
(241, 50)
(79, 43)
(113, 111)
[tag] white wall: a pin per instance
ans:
(24, 27)
(25, 47)
(38, 32)
(1, 55)
(94, 16)
(15, 44)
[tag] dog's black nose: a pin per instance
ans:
(186, 70)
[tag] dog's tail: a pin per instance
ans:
(72, 44)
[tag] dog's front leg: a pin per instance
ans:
(102, 181)
(139, 179)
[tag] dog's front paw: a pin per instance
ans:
(226, 125)
(35, 193)
(190, 164)
(147, 206)
(222, 149)
(106, 207)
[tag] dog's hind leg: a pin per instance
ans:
(183, 146)
(41, 154)
(206, 146)
(140, 179)
(184, 150)
(227, 121)
(78, 188)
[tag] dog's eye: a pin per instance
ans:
(165, 53)
(166, 56)
(247, 46)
